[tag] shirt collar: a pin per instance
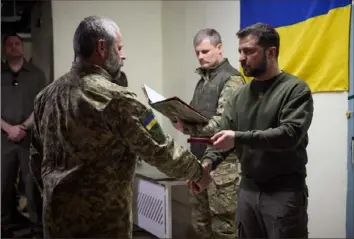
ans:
(25, 66)
(86, 68)
(204, 72)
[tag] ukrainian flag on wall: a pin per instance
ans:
(314, 38)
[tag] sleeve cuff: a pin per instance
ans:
(207, 161)
(197, 177)
(214, 164)
(242, 137)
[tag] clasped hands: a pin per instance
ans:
(16, 133)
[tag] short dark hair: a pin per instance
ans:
(89, 31)
(267, 35)
(11, 35)
(207, 33)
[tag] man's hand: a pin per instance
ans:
(177, 123)
(197, 187)
(16, 133)
(207, 166)
(224, 139)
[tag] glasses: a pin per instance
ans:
(14, 79)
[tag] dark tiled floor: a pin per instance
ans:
(143, 235)
(180, 231)
(137, 234)
(140, 234)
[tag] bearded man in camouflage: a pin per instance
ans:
(213, 210)
(88, 132)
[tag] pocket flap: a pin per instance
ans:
(226, 173)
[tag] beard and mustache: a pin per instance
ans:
(256, 71)
(113, 66)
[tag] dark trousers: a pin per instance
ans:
(11, 161)
(272, 215)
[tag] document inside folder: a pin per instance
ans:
(152, 95)
(173, 107)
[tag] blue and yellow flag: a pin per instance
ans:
(150, 122)
(314, 38)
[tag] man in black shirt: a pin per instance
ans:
(20, 83)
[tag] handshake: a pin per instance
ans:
(203, 183)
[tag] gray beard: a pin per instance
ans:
(113, 65)
(121, 80)
(115, 78)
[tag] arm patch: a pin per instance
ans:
(150, 123)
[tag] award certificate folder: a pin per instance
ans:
(173, 107)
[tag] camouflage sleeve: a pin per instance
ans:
(213, 156)
(138, 127)
(213, 126)
(225, 107)
(36, 157)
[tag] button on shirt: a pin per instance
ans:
(18, 91)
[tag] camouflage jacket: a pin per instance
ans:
(87, 135)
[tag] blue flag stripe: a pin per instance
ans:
(149, 119)
(279, 13)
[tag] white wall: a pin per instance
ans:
(142, 37)
(158, 43)
(27, 50)
(327, 167)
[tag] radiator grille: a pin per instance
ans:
(150, 207)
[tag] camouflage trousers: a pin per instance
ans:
(214, 210)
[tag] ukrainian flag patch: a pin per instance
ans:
(150, 122)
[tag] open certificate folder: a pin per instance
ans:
(173, 107)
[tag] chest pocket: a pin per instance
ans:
(206, 97)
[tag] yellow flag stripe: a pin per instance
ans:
(151, 124)
(316, 50)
